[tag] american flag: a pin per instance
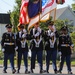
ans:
(47, 7)
(24, 19)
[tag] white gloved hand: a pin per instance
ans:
(29, 53)
(37, 34)
(59, 53)
(24, 30)
(72, 45)
(24, 35)
(16, 48)
(3, 49)
(52, 34)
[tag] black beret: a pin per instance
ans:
(50, 23)
(21, 26)
(64, 28)
(8, 26)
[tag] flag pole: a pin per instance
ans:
(55, 14)
(40, 9)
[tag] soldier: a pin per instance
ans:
(65, 45)
(8, 47)
(51, 46)
(36, 47)
(22, 48)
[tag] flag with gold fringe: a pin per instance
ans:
(47, 6)
(39, 10)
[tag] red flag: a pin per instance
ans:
(24, 19)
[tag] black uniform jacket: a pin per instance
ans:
(7, 40)
(64, 44)
(47, 42)
(32, 44)
(18, 42)
(31, 36)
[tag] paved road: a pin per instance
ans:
(36, 71)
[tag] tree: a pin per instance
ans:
(15, 14)
(73, 38)
(73, 5)
(60, 23)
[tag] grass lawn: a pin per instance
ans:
(72, 62)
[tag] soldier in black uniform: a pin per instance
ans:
(21, 40)
(8, 47)
(36, 47)
(51, 46)
(65, 45)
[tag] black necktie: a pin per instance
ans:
(35, 31)
(21, 33)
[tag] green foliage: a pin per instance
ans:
(18, 2)
(43, 26)
(1, 55)
(15, 15)
(73, 5)
(58, 23)
(61, 23)
(73, 38)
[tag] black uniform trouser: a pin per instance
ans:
(68, 62)
(25, 58)
(51, 54)
(39, 58)
(11, 58)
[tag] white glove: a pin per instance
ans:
(72, 45)
(54, 28)
(59, 53)
(52, 34)
(24, 35)
(24, 30)
(3, 49)
(37, 34)
(16, 48)
(29, 53)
